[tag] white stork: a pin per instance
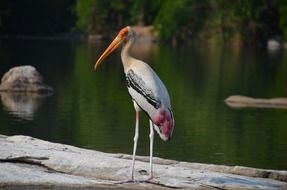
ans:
(147, 91)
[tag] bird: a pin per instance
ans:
(147, 91)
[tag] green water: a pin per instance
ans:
(93, 110)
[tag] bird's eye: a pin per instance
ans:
(124, 32)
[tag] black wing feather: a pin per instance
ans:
(134, 81)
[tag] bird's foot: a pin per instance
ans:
(150, 177)
(145, 173)
(132, 180)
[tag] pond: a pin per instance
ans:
(93, 109)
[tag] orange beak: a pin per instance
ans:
(114, 45)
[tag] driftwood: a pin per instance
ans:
(26, 163)
(238, 101)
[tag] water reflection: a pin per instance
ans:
(22, 105)
(93, 109)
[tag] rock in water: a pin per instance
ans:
(24, 79)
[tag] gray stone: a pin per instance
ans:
(30, 162)
(273, 45)
(24, 79)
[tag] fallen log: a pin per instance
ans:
(238, 101)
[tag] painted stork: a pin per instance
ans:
(147, 91)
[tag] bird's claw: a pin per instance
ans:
(149, 178)
(131, 180)
(125, 181)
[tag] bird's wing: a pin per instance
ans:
(136, 83)
(146, 88)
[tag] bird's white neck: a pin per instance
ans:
(125, 54)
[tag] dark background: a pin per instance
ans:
(36, 17)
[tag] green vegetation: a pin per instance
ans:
(283, 17)
(242, 21)
(101, 16)
(237, 21)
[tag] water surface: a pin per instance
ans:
(93, 110)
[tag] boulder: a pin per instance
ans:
(37, 164)
(273, 45)
(23, 79)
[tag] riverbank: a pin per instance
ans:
(34, 163)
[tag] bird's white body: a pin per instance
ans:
(151, 86)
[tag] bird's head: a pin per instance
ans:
(123, 35)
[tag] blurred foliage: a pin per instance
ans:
(102, 16)
(144, 12)
(283, 17)
(239, 21)
(244, 21)
(95, 16)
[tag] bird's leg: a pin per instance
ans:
(151, 137)
(135, 144)
(131, 179)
